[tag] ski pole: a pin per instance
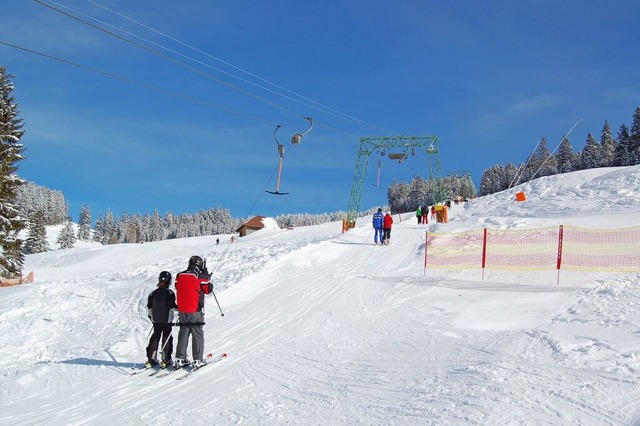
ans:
(214, 296)
(148, 335)
(170, 334)
(212, 292)
(166, 341)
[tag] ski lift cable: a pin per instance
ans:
(172, 60)
(158, 88)
(137, 83)
(335, 113)
(235, 67)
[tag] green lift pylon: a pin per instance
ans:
(368, 146)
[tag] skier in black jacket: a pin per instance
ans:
(160, 306)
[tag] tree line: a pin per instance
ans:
(25, 205)
(623, 150)
(408, 196)
(41, 206)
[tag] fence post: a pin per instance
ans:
(426, 239)
(559, 258)
(484, 251)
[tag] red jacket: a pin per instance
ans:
(388, 221)
(190, 291)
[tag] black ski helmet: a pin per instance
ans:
(197, 262)
(165, 277)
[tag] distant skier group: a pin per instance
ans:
(188, 301)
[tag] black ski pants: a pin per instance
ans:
(164, 331)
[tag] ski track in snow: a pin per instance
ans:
(325, 328)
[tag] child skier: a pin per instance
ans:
(160, 306)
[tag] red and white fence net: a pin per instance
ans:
(565, 247)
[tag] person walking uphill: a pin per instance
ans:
(160, 306)
(388, 221)
(378, 222)
(419, 215)
(191, 286)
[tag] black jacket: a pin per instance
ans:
(159, 305)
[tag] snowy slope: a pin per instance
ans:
(325, 328)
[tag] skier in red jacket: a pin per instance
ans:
(388, 221)
(191, 286)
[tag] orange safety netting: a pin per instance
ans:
(614, 250)
(565, 247)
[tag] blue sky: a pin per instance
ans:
(194, 129)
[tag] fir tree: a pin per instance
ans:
(591, 154)
(634, 138)
(84, 224)
(66, 237)
(156, 233)
(11, 152)
(492, 180)
(98, 232)
(37, 239)
(607, 145)
(398, 196)
(509, 176)
(545, 163)
(622, 153)
(565, 157)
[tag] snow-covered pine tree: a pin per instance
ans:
(109, 229)
(11, 152)
(84, 223)
(541, 162)
(607, 145)
(468, 189)
(634, 145)
(565, 157)
(66, 237)
(492, 180)
(398, 196)
(417, 193)
(590, 157)
(622, 153)
(509, 177)
(32, 198)
(98, 231)
(156, 232)
(36, 241)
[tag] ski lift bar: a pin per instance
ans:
(295, 139)
(281, 152)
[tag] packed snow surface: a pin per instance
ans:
(323, 328)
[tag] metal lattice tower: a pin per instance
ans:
(368, 146)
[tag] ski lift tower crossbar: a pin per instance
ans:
(429, 144)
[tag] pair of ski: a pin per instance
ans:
(209, 359)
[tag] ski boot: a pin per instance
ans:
(166, 363)
(198, 363)
(180, 363)
(150, 363)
